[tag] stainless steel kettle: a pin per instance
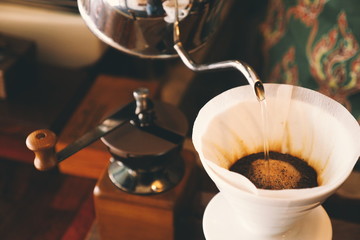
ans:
(144, 27)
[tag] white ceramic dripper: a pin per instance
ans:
(303, 123)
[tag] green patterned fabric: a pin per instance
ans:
(315, 44)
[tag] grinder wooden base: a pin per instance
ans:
(121, 215)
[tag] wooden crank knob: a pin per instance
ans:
(42, 143)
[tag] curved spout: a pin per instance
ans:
(244, 68)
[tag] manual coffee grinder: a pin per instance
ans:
(149, 180)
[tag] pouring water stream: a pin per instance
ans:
(244, 68)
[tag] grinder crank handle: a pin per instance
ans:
(42, 142)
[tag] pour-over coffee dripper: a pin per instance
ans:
(303, 123)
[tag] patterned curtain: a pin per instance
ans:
(315, 44)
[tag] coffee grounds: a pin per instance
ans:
(283, 171)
